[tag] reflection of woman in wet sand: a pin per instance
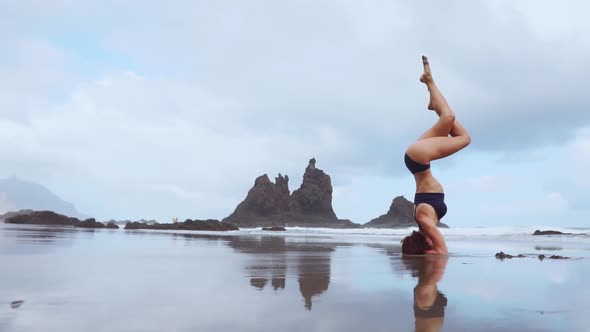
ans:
(429, 302)
(434, 144)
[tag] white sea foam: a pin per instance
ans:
(501, 231)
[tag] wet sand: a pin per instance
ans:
(117, 280)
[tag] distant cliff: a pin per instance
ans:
(400, 215)
(270, 204)
(16, 194)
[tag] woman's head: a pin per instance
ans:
(415, 244)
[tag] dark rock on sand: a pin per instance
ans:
(274, 229)
(112, 225)
(16, 304)
(550, 232)
(400, 215)
(191, 225)
(542, 257)
(502, 255)
(89, 223)
(269, 204)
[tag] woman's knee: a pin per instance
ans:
(448, 118)
(466, 140)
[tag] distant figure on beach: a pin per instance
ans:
(435, 143)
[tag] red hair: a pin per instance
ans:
(415, 244)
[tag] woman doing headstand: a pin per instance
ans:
(434, 144)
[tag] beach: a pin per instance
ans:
(298, 280)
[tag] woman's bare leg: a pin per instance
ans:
(435, 143)
(437, 103)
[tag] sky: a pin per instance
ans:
(155, 110)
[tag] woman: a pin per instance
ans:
(434, 144)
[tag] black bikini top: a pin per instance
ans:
(436, 310)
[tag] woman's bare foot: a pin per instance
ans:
(427, 79)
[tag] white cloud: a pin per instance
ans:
(489, 183)
(223, 92)
(549, 204)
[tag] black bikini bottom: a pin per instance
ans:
(436, 200)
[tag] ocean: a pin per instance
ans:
(299, 280)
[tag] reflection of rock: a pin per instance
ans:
(50, 218)
(192, 225)
(548, 248)
(278, 282)
(400, 215)
(314, 276)
(269, 204)
(270, 256)
(550, 232)
(258, 282)
(270, 262)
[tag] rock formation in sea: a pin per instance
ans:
(265, 204)
(50, 218)
(270, 204)
(400, 215)
(550, 232)
(314, 197)
(188, 225)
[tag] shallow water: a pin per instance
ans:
(117, 280)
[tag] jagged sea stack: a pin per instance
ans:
(314, 197)
(269, 204)
(311, 204)
(264, 205)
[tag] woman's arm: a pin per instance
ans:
(439, 245)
